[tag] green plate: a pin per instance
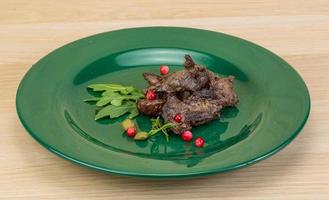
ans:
(274, 102)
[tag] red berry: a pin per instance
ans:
(187, 136)
(131, 132)
(151, 95)
(164, 69)
(178, 118)
(199, 142)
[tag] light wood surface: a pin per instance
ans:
(296, 30)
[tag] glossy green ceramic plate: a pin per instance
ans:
(274, 102)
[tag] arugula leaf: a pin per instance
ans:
(130, 89)
(116, 111)
(112, 88)
(106, 87)
(133, 113)
(92, 99)
(103, 101)
(115, 100)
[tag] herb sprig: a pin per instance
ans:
(157, 127)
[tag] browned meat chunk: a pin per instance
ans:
(150, 107)
(206, 93)
(195, 93)
(195, 111)
(194, 78)
(223, 89)
(152, 79)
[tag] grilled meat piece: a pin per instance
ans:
(152, 79)
(189, 63)
(223, 90)
(195, 92)
(195, 111)
(183, 81)
(206, 93)
(150, 107)
(220, 90)
(193, 78)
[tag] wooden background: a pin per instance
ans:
(296, 30)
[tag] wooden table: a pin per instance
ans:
(296, 30)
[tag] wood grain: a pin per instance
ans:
(296, 30)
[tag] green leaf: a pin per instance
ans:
(113, 88)
(156, 123)
(136, 96)
(158, 126)
(115, 95)
(106, 87)
(110, 93)
(130, 89)
(116, 102)
(92, 99)
(111, 111)
(115, 111)
(115, 98)
(167, 126)
(124, 92)
(133, 113)
(103, 101)
(154, 131)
